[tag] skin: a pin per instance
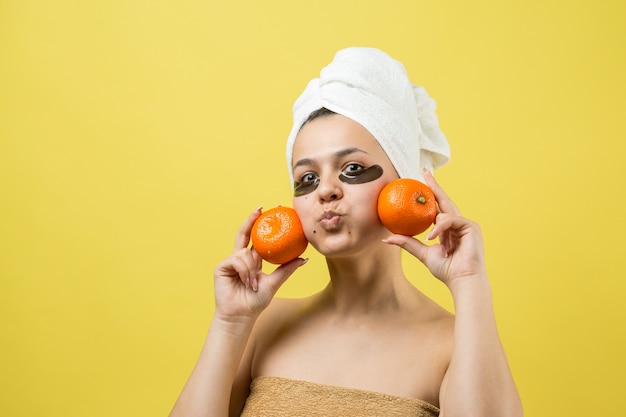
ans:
(370, 328)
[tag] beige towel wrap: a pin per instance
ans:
(282, 397)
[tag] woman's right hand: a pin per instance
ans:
(242, 290)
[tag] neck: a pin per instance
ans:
(367, 285)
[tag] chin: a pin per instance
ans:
(333, 245)
(342, 246)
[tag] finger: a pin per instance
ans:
(257, 258)
(446, 223)
(446, 205)
(253, 264)
(241, 265)
(257, 265)
(440, 226)
(410, 244)
(277, 278)
(242, 239)
(241, 269)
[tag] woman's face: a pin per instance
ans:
(339, 169)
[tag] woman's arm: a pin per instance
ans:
(478, 381)
(208, 389)
(242, 292)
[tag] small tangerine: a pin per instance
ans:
(277, 235)
(407, 206)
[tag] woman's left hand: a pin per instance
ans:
(459, 253)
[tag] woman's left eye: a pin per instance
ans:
(352, 170)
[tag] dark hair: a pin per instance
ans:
(316, 114)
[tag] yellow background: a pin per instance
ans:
(135, 136)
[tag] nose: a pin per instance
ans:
(329, 190)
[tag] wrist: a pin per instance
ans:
(237, 326)
(473, 286)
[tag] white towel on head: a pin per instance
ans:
(373, 89)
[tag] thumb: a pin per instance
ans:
(277, 278)
(409, 244)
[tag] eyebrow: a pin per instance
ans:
(338, 155)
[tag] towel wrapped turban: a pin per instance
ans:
(373, 89)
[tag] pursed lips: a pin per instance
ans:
(330, 218)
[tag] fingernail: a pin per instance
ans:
(255, 285)
(247, 282)
(259, 208)
(304, 261)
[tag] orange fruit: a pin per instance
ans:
(277, 235)
(407, 206)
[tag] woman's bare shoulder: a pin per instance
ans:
(430, 317)
(283, 311)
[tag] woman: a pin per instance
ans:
(370, 343)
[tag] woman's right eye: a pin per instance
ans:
(306, 184)
(308, 178)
